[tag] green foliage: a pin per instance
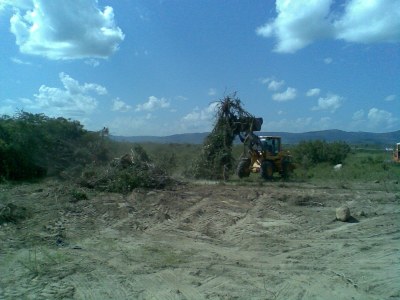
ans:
(373, 166)
(309, 153)
(33, 145)
(78, 195)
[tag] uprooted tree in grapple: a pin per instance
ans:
(216, 160)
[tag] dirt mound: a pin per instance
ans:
(201, 241)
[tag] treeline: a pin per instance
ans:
(314, 152)
(34, 145)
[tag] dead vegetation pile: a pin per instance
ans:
(216, 161)
(12, 213)
(122, 175)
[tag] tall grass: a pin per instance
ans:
(360, 166)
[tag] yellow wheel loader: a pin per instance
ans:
(264, 155)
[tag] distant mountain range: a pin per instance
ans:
(388, 138)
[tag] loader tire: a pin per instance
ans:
(267, 170)
(243, 168)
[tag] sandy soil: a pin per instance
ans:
(272, 240)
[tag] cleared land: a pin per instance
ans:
(276, 240)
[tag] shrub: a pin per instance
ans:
(314, 152)
(33, 145)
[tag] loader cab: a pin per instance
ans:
(271, 144)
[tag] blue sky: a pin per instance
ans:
(150, 67)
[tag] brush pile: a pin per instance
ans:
(132, 170)
(216, 161)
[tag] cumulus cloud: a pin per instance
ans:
(331, 102)
(152, 104)
(298, 24)
(19, 61)
(301, 22)
(121, 106)
(370, 21)
(375, 119)
(288, 94)
(390, 98)
(379, 117)
(313, 92)
(199, 119)
(65, 29)
(212, 92)
(358, 115)
(205, 114)
(21, 4)
(292, 125)
(74, 100)
(92, 62)
(7, 107)
(275, 85)
(181, 98)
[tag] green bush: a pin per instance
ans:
(309, 153)
(33, 145)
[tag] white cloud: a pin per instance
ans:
(298, 24)
(7, 107)
(92, 62)
(331, 102)
(358, 115)
(199, 120)
(375, 119)
(65, 29)
(21, 4)
(287, 95)
(181, 98)
(325, 123)
(290, 125)
(73, 100)
(328, 60)
(275, 85)
(205, 114)
(378, 117)
(19, 61)
(301, 22)
(152, 104)
(390, 98)
(313, 92)
(131, 125)
(371, 21)
(121, 106)
(212, 92)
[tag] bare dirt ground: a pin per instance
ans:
(272, 240)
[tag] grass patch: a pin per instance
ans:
(160, 256)
(41, 261)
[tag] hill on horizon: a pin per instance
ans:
(387, 139)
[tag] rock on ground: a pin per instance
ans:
(343, 213)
